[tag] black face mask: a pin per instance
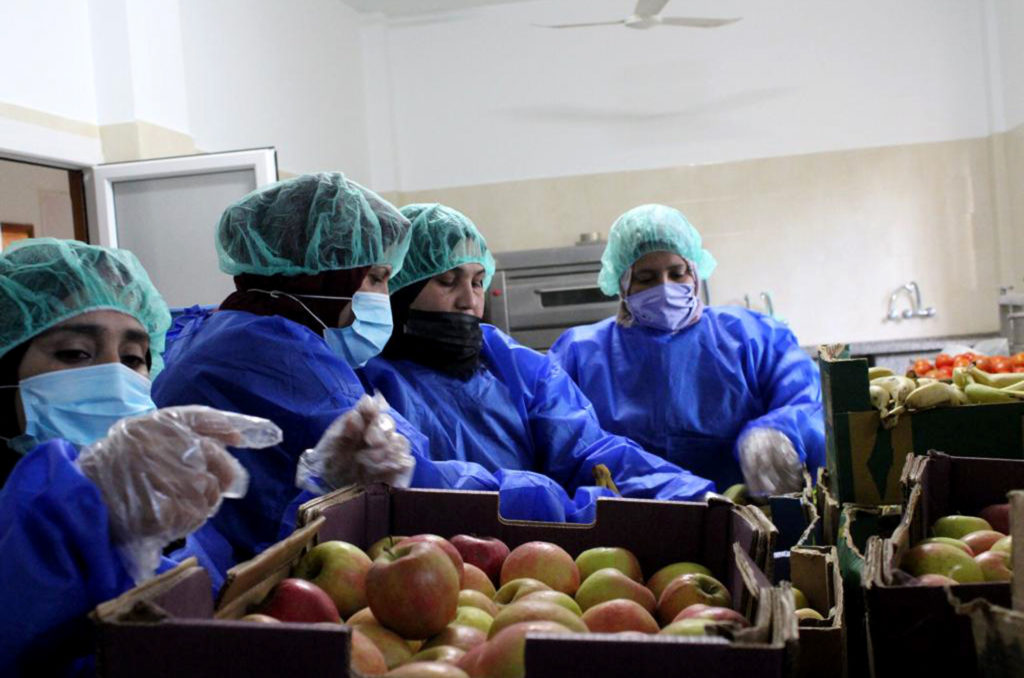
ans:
(447, 342)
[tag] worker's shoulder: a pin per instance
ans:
(742, 319)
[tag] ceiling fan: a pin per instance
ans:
(648, 15)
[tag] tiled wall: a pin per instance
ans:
(828, 235)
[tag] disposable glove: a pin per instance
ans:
(360, 447)
(769, 463)
(163, 474)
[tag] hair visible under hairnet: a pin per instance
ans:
(442, 239)
(646, 229)
(45, 281)
(311, 224)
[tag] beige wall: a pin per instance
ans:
(828, 235)
(30, 194)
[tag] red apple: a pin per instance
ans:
(474, 578)
(428, 670)
(660, 579)
(982, 540)
(413, 589)
(456, 635)
(504, 654)
(544, 561)
(615, 616)
(445, 545)
(297, 600)
(995, 565)
(487, 553)
(949, 541)
(998, 516)
(942, 559)
(365, 657)
(690, 589)
(556, 597)
(712, 612)
(535, 610)
(339, 568)
(394, 648)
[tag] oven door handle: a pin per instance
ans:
(554, 290)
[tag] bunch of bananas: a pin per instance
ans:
(893, 395)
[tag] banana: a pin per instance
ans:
(932, 395)
(985, 395)
(962, 376)
(924, 381)
(879, 397)
(898, 387)
(1018, 387)
(1001, 380)
(960, 396)
(876, 372)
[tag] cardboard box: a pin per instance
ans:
(815, 571)
(171, 627)
(916, 628)
(865, 460)
(796, 518)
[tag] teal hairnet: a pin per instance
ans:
(646, 229)
(45, 281)
(442, 239)
(308, 225)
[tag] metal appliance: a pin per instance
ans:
(1011, 318)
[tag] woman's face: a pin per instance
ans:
(376, 281)
(658, 268)
(92, 338)
(460, 290)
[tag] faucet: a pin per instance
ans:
(914, 293)
(767, 299)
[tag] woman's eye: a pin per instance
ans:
(71, 356)
(132, 361)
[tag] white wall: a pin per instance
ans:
(483, 96)
(1008, 21)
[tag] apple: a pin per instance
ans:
(472, 598)
(998, 516)
(515, 587)
(487, 553)
(456, 635)
(982, 540)
(474, 578)
(942, 559)
(807, 613)
(935, 580)
(339, 568)
(737, 494)
(413, 589)
(535, 610)
(473, 616)
(598, 558)
(608, 584)
(428, 670)
(799, 599)
(687, 627)
(365, 657)
(394, 648)
(660, 579)
(951, 542)
(995, 565)
(298, 600)
(1005, 545)
(363, 616)
(544, 561)
(556, 597)
(957, 526)
(445, 545)
(615, 616)
(712, 612)
(504, 654)
(377, 547)
(440, 653)
(690, 589)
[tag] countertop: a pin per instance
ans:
(922, 345)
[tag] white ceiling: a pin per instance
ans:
(407, 7)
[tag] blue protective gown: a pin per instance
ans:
(271, 367)
(689, 395)
(58, 563)
(521, 411)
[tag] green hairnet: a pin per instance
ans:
(442, 239)
(646, 229)
(311, 224)
(44, 281)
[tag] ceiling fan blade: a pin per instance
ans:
(649, 7)
(696, 22)
(586, 25)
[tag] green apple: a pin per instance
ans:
(504, 654)
(949, 541)
(456, 635)
(942, 559)
(598, 558)
(691, 589)
(958, 526)
(995, 565)
(737, 494)
(536, 610)
(556, 597)
(395, 650)
(427, 670)
(474, 578)
(660, 579)
(510, 590)
(1005, 545)
(363, 616)
(377, 547)
(339, 568)
(473, 616)
(473, 598)
(807, 613)
(687, 627)
(365, 657)
(440, 653)
(609, 584)
(799, 599)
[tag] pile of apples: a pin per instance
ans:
(428, 606)
(964, 550)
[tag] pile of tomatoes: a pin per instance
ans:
(944, 364)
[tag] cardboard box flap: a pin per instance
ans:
(998, 637)
(250, 581)
(1017, 533)
(784, 622)
(184, 591)
(813, 570)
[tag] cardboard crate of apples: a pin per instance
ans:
(952, 540)
(818, 598)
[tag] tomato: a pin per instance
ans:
(984, 364)
(1001, 363)
(1018, 360)
(922, 367)
(1019, 369)
(943, 360)
(943, 372)
(962, 360)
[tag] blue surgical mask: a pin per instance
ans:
(81, 404)
(669, 307)
(368, 333)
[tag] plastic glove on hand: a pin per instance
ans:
(769, 463)
(163, 474)
(361, 447)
